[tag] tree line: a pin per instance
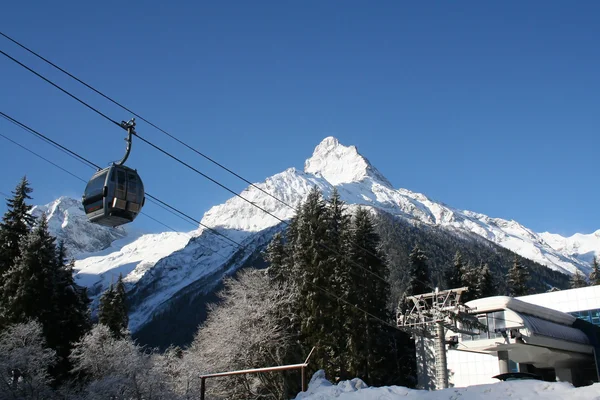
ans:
(49, 346)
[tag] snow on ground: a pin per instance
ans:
(321, 389)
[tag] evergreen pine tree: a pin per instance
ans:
(275, 256)
(470, 279)
(283, 272)
(313, 276)
(120, 305)
(15, 225)
(112, 310)
(419, 273)
(71, 313)
(341, 285)
(28, 287)
(419, 279)
(105, 308)
(485, 285)
(308, 255)
(40, 286)
(518, 279)
(595, 274)
(454, 274)
(368, 347)
(577, 280)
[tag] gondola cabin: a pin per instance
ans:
(114, 196)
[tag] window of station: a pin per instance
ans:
(494, 321)
(592, 316)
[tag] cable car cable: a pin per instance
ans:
(85, 181)
(61, 89)
(206, 247)
(211, 229)
(155, 126)
(145, 120)
(179, 160)
(89, 163)
(137, 135)
(43, 158)
(29, 129)
(174, 157)
(85, 162)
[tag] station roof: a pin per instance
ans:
(498, 303)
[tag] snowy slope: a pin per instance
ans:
(159, 267)
(320, 389)
(358, 182)
(580, 246)
(332, 165)
(132, 257)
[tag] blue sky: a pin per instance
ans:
(487, 107)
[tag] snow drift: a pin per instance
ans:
(321, 389)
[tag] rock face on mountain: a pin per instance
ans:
(160, 268)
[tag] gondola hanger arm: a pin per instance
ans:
(129, 126)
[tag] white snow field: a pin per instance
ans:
(321, 389)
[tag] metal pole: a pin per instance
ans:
(441, 364)
(202, 387)
(303, 379)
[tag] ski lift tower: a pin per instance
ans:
(429, 315)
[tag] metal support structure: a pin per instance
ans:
(130, 128)
(301, 367)
(441, 363)
(430, 315)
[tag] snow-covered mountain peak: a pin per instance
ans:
(340, 164)
(67, 222)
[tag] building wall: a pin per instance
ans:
(569, 301)
(466, 369)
